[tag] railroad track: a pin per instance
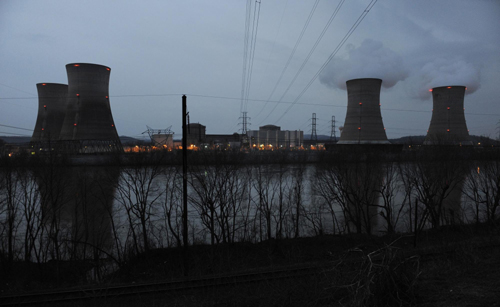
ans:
(177, 286)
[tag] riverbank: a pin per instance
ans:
(452, 266)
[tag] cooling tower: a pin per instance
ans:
(52, 99)
(448, 125)
(363, 122)
(88, 125)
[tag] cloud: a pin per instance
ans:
(445, 72)
(370, 60)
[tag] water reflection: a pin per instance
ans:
(53, 212)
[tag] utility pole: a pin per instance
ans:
(314, 136)
(333, 135)
(184, 188)
(244, 125)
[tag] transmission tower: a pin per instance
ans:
(245, 123)
(333, 135)
(314, 136)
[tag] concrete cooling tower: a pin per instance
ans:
(52, 99)
(363, 122)
(88, 126)
(448, 125)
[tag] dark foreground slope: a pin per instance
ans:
(454, 266)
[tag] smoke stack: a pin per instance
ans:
(89, 123)
(52, 99)
(448, 125)
(363, 122)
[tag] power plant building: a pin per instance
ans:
(88, 126)
(272, 137)
(52, 99)
(363, 123)
(448, 125)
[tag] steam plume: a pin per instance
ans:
(370, 60)
(445, 72)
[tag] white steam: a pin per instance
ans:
(370, 60)
(446, 72)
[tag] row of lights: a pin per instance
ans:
(430, 90)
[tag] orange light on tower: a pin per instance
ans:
(449, 87)
(430, 90)
(76, 65)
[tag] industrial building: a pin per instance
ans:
(52, 99)
(196, 134)
(88, 126)
(363, 123)
(448, 125)
(272, 137)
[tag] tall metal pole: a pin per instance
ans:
(184, 188)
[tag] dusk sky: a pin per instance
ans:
(159, 50)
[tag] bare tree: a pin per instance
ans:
(438, 185)
(388, 189)
(218, 193)
(9, 210)
(172, 205)
(352, 186)
(482, 186)
(139, 193)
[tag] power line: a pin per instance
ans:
(290, 56)
(14, 127)
(320, 37)
(17, 89)
(274, 42)
(318, 40)
(249, 52)
(273, 101)
(245, 52)
(342, 42)
(17, 134)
